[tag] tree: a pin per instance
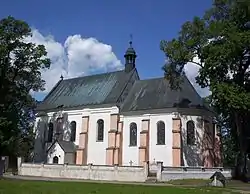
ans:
(21, 63)
(221, 41)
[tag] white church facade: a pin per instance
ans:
(117, 119)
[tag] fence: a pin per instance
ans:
(88, 172)
(118, 173)
(176, 173)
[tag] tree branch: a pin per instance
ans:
(196, 63)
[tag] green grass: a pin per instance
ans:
(230, 184)
(202, 182)
(43, 187)
(190, 182)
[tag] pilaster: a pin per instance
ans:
(112, 151)
(82, 151)
(144, 142)
(208, 144)
(217, 146)
(119, 141)
(176, 146)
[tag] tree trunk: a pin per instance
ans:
(241, 163)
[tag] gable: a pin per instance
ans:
(65, 146)
(55, 148)
(87, 91)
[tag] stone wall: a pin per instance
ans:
(88, 172)
(117, 173)
(178, 173)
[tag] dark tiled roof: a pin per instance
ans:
(67, 146)
(156, 94)
(88, 90)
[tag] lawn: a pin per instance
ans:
(233, 184)
(46, 187)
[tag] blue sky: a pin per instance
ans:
(111, 22)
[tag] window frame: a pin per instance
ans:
(191, 141)
(73, 135)
(100, 123)
(133, 135)
(160, 138)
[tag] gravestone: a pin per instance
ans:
(218, 180)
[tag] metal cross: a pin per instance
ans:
(131, 40)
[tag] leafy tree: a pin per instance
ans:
(221, 41)
(20, 73)
(228, 136)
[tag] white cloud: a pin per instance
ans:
(82, 56)
(77, 56)
(192, 71)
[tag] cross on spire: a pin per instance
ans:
(131, 40)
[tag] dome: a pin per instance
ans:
(130, 50)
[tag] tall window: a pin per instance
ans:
(73, 131)
(160, 133)
(190, 133)
(50, 133)
(100, 130)
(55, 160)
(133, 134)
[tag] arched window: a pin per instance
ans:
(100, 130)
(50, 133)
(160, 133)
(190, 133)
(133, 134)
(55, 160)
(73, 131)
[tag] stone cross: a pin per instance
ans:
(131, 162)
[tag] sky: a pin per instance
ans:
(85, 37)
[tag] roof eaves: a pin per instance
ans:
(55, 109)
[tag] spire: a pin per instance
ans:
(130, 57)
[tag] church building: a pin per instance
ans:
(116, 118)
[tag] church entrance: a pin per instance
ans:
(55, 160)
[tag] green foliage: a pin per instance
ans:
(221, 41)
(20, 73)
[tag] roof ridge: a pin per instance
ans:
(150, 79)
(134, 71)
(98, 74)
